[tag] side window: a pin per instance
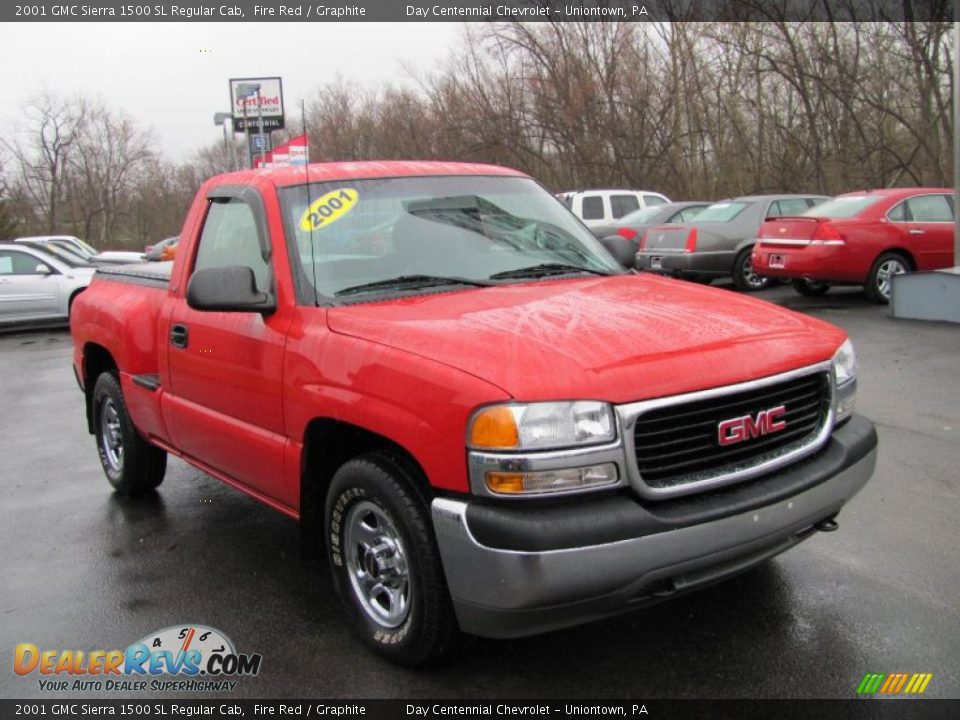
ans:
(651, 200)
(620, 205)
(592, 207)
(930, 208)
(898, 213)
(18, 263)
(686, 215)
(774, 210)
(230, 237)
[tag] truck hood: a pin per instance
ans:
(619, 339)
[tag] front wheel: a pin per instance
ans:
(132, 465)
(880, 280)
(385, 562)
(811, 288)
(744, 276)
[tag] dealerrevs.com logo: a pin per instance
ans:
(183, 657)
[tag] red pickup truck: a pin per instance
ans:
(488, 425)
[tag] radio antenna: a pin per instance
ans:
(306, 168)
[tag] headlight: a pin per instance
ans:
(541, 426)
(845, 370)
(845, 363)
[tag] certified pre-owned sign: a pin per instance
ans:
(256, 98)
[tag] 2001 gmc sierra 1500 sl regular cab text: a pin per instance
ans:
(488, 425)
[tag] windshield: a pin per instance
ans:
(465, 231)
(842, 207)
(78, 250)
(64, 256)
(720, 212)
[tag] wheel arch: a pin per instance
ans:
(899, 250)
(327, 444)
(96, 360)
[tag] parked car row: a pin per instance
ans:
(38, 284)
(84, 250)
(859, 238)
(719, 240)
(40, 276)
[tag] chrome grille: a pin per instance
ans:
(676, 444)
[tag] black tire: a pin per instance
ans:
(811, 288)
(380, 535)
(744, 278)
(878, 284)
(132, 465)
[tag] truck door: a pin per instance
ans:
(224, 400)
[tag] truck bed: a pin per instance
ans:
(153, 274)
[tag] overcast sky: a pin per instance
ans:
(157, 73)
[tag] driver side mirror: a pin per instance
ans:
(623, 250)
(227, 289)
(43, 269)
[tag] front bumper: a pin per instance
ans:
(516, 571)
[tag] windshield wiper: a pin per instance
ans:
(546, 269)
(412, 282)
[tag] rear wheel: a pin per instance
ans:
(744, 276)
(385, 562)
(880, 279)
(811, 288)
(132, 465)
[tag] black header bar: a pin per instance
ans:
(478, 11)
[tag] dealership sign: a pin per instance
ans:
(252, 106)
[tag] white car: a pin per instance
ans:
(599, 207)
(85, 250)
(35, 285)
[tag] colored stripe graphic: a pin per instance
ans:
(894, 683)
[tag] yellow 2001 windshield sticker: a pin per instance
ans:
(328, 209)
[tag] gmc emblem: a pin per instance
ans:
(735, 430)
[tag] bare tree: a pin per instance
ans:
(43, 152)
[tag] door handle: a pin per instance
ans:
(918, 232)
(179, 335)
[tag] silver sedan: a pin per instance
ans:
(36, 286)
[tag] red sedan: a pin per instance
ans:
(861, 238)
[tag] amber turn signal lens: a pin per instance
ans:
(494, 427)
(505, 482)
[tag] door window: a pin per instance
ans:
(929, 208)
(593, 207)
(19, 263)
(620, 205)
(231, 237)
(651, 200)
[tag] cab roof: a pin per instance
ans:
(325, 172)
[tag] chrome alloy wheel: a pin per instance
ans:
(377, 564)
(888, 268)
(111, 435)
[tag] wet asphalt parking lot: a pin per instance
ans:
(83, 568)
